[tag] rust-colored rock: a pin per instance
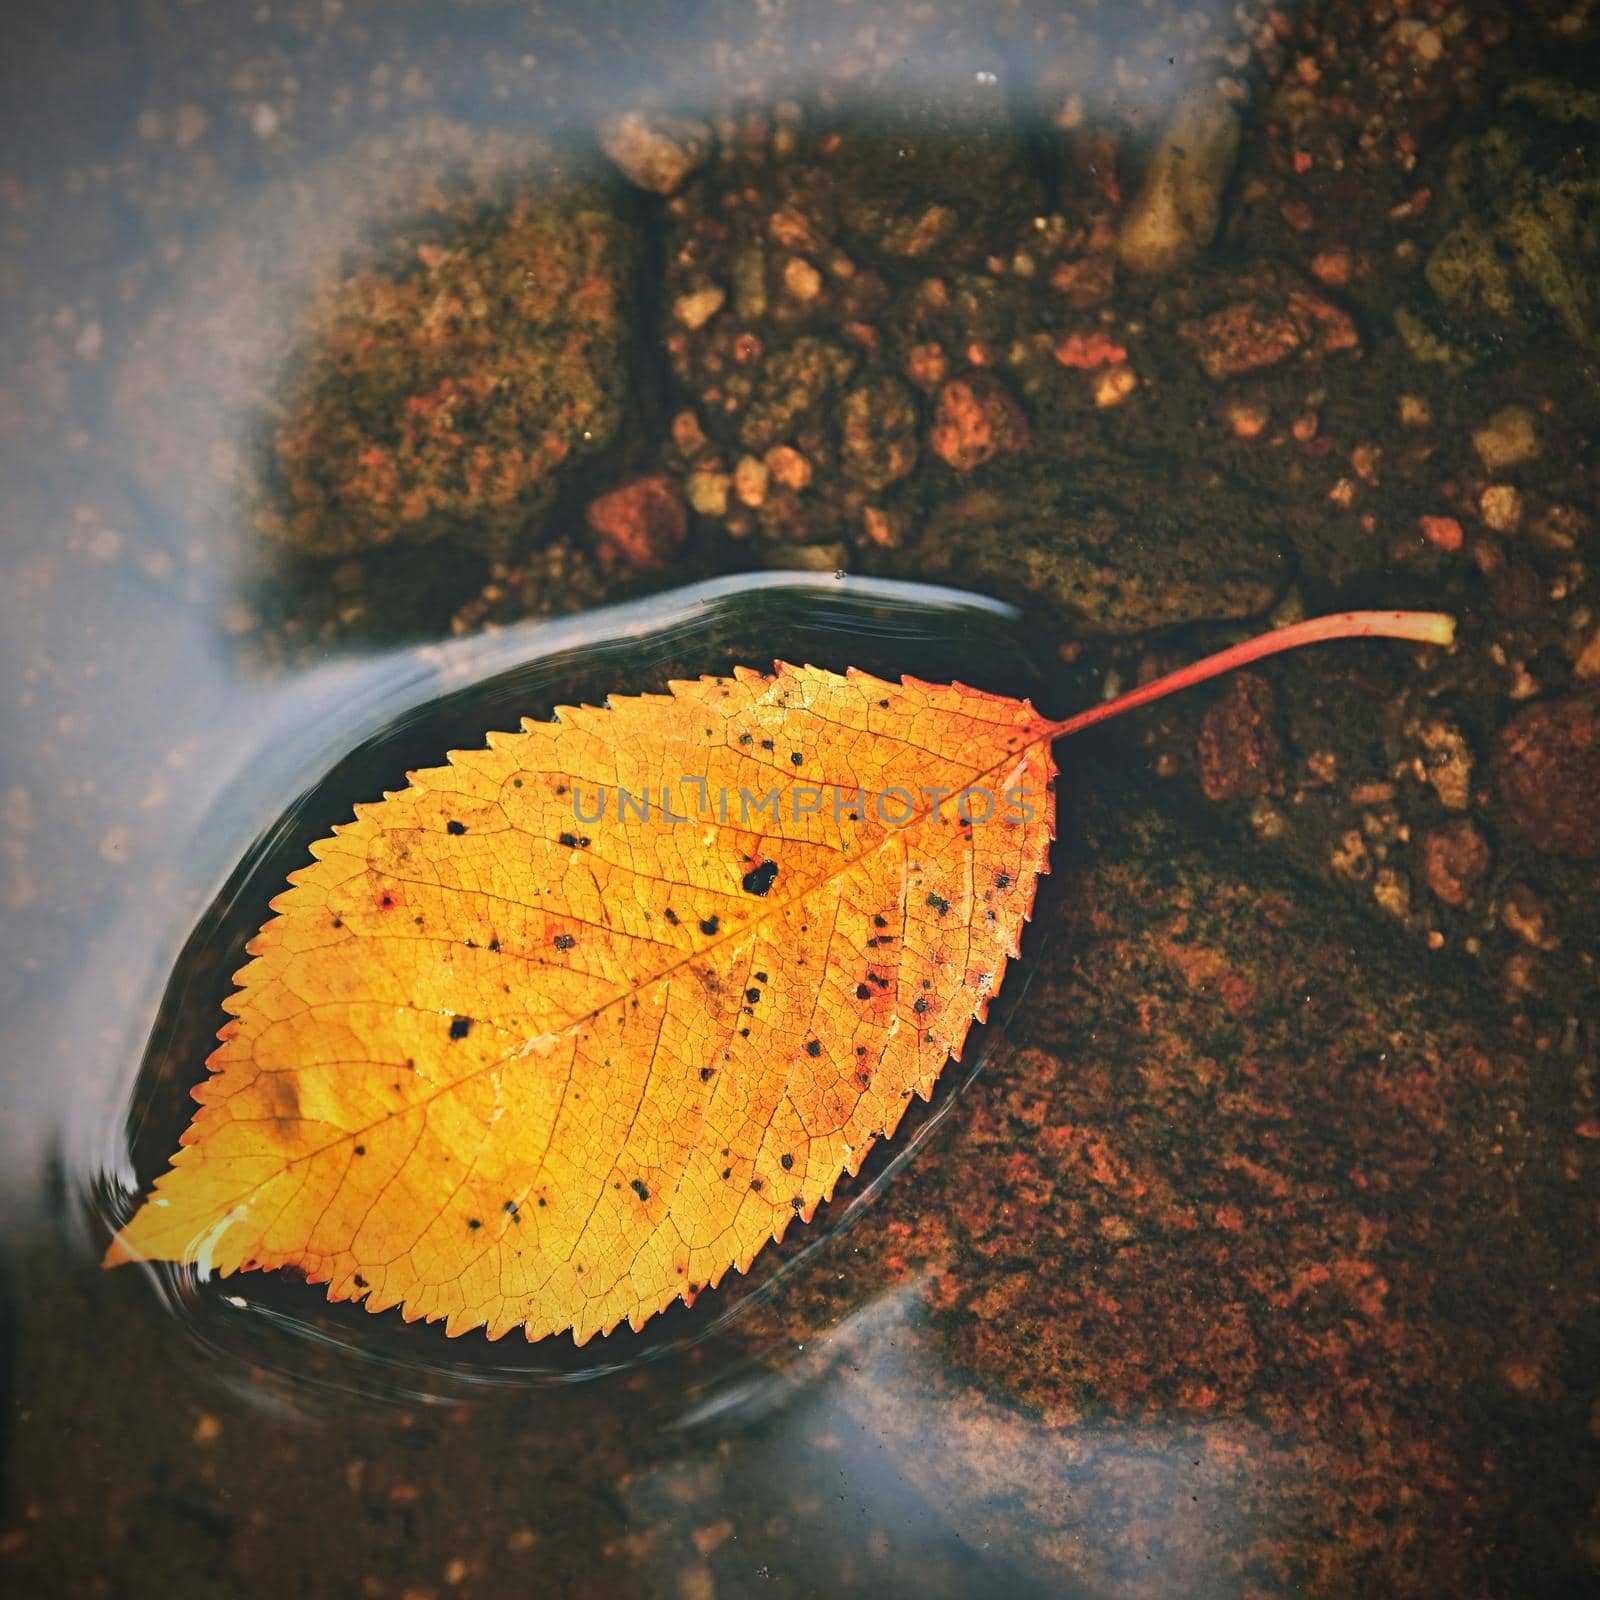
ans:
(641, 526)
(1454, 861)
(1547, 771)
(1256, 333)
(1239, 751)
(977, 419)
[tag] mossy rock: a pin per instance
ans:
(1523, 202)
(1112, 546)
(449, 391)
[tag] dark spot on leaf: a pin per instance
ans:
(474, 1224)
(460, 1027)
(755, 1183)
(568, 841)
(707, 1074)
(494, 944)
(788, 1161)
(939, 903)
(758, 880)
(671, 916)
(361, 1283)
(1002, 880)
(814, 1047)
(921, 1005)
(361, 1149)
(563, 941)
(709, 925)
(752, 995)
(639, 1189)
(795, 758)
(767, 744)
(863, 992)
(453, 826)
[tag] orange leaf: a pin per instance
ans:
(567, 1028)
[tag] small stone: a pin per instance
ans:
(263, 121)
(1529, 917)
(1392, 890)
(882, 528)
(1113, 387)
(1415, 412)
(655, 152)
(788, 466)
(1256, 333)
(1246, 420)
(687, 434)
(206, 1429)
(1444, 533)
(1455, 859)
(708, 492)
(801, 279)
(1239, 752)
(699, 306)
(1500, 506)
(639, 527)
(976, 420)
(750, 479)
(1449, 765)
(1093, 349)
(1547, 772)
(1508, 439)
(927, 366)
(878, 445)
(1587, 667)
(1174, 215)
(1331, 268)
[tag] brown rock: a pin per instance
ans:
(1529, 917)
(641, 526)
(1455, 859)
(977, 419)
(1547, 770)
(1256, 333)
(1239, 751)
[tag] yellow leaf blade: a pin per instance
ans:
(500, 1066)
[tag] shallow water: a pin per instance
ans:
(1250, 1248)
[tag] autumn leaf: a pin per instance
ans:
(568, 1028)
